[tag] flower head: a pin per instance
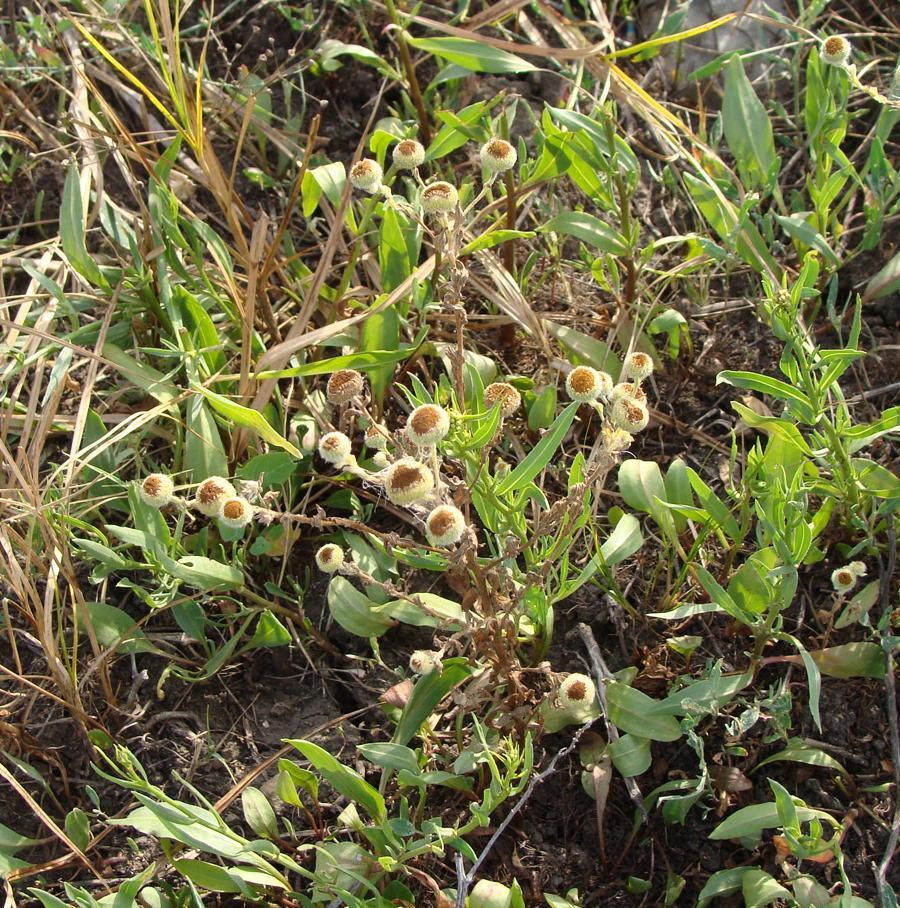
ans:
(504, 394)
(366, 175)
(381, 460)
(637, 366)
(497, 155)
(334, 448)
(445, 525)
(630, 414)
(330, 558)
(577, 692)
(344, 385)
(376, 436)
(236, 512)
(439, 198)
(408, 481)
(425, 661)
(627, 389)
(408, 154)
(845, 578)
(427, 425)
(157, 490)
(836, 50)
(211, 493)
(585, 384)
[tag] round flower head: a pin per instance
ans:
(627, 389)
(427, 425)
(343, 386)
(236, 512)
(376, 437)
(445, 525)
(211, 493)
(836, 50)
(439, 198)
(366, 175)
(407, 481)
(637, 367)
(504, 394)
(488, 894)
(630, 414)
(498, 156)
(585, 384)
(577, 692)
(408, 154)
(381, 460)
(424, 661)
(844, 579)
(330, 558)
(334, 447)
(157, 490)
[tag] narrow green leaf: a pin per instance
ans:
(430, 689)
(633, 711)
(747, 128)
(589, 229)
(473, 55)
(541, 454)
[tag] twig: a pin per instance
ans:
(465, 880)
(891, 707)
(602, 674)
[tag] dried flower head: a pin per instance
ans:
(498, 156)
(630, 414)
(427, 425)
(157, 490)
(425, 661)
(637, 366)
(504, 394)
(366, 175)
(577, 692)
(330, 558)
(236, 512)
(439, 198)
(408, 154)
(836, 50)
(585, 384)
(408, 481)
(627, 389)
(334, 448)
(445, 525)
(344, 385)
(211, 493)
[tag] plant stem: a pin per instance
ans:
(410, 70)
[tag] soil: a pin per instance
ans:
(212, 734)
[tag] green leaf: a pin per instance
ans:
(630, 755)
(72, 228)
(797, 227)
(269, 632)
(430, 689)
(587, 349)
(886, 282)
(749, 822)
(78, 827)
(851, 660)
(747, 129)
(473, 55)
(449, 614)
(714, 506)
(258, 813)
(798, 751)
(354, 611)
(203, 573)
(494, 238)
(543, 409)
(623, 542)
(588, 229)
(722, 883)
(330, 49)
(116, 628)
(391, 756)
(774, 387)
(706, 694)
(633, 711)
(204, 452)
(145, 377)
(541, 454)
(759, 888)
(773, 427)
(248, 419)
(720, 596)
(345, 781)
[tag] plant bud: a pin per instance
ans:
(157, 490)
(439, 198)
(445, 525)
(366, 175)
(498, 156)
(408, 481)
(408, 154)
(577, 693)
(211, 493)
(627, 389)
(424, 661)
(376, 437)
(427, 425)
(381, 460)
